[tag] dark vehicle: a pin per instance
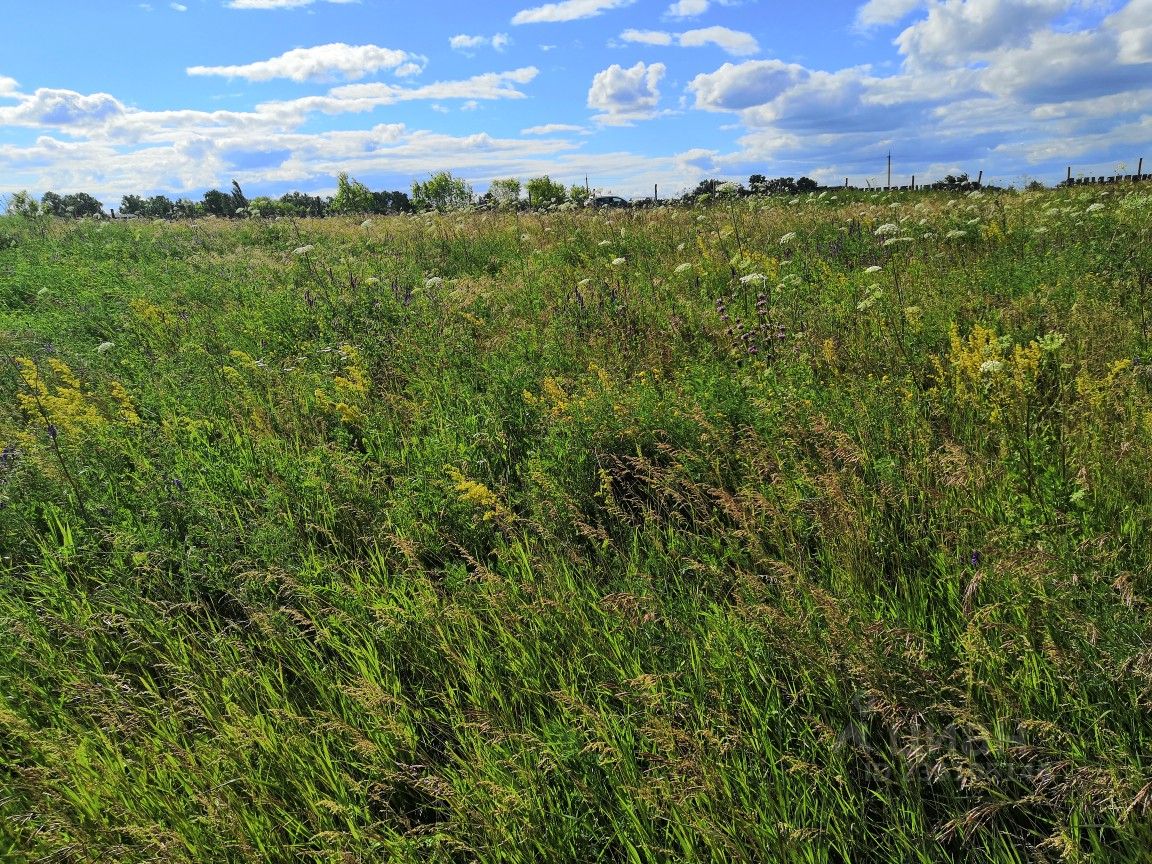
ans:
(609, 201)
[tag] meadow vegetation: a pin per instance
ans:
(806, 529)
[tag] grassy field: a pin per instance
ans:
(768, 531)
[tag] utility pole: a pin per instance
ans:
(889, 186)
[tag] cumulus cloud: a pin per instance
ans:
(465, 43)
(567, 10)
(623, 96)
(320, 63)
(875, 13)
(8, 86)
(732, 41)
(61, 108)
(956, 32)
(734, 87)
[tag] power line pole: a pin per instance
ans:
(889, 169)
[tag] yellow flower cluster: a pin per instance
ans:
(478, 495)
(62, 402)
(352, 387)
(988, 371)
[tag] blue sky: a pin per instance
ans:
(115, 97)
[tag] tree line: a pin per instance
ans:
(441, 191)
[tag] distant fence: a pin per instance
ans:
(1093, 175)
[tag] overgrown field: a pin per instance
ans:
(770, 531)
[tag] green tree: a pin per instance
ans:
(578, 194)
(301, 204)
(544, 192)
(217, 203)
(391, 202)
(442, 192)
(505, 193)
(157, 207)
(23, 204)
(239, 202)
(131, 205)
(352, 196)
(183, 208)
(52, 204)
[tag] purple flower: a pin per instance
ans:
(52, 431)
(976, 558)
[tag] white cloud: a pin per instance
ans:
(552, 129)
(321, 63)
(8, 86)
(178, 7)
(626, 95)
(875, 13)
(648, 37)
(567, 10)
(278, 4)
(732, 41)
(61, 108)
(359, 98)
(1133, 24)
(734, 87)
(463, 42)
(688, 8)
(956, 32)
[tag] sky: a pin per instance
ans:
(175, 98)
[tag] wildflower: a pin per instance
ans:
(976, 558)
(787, 238)
(433, 282)
(604, 243)
(617, 262)
(583, 282)
(1093, 208)
(303, 250)
(887, 228)
(991, 367)
(875, 268)
(105, 347)
(753, 279)
(955, 233)
(683, 268)
(892, 240)
(680, 248)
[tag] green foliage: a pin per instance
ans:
(544, 192)
(441, 192)
(352, 196)
(746, 532)
(505, 193)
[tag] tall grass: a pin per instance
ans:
(811, 531)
